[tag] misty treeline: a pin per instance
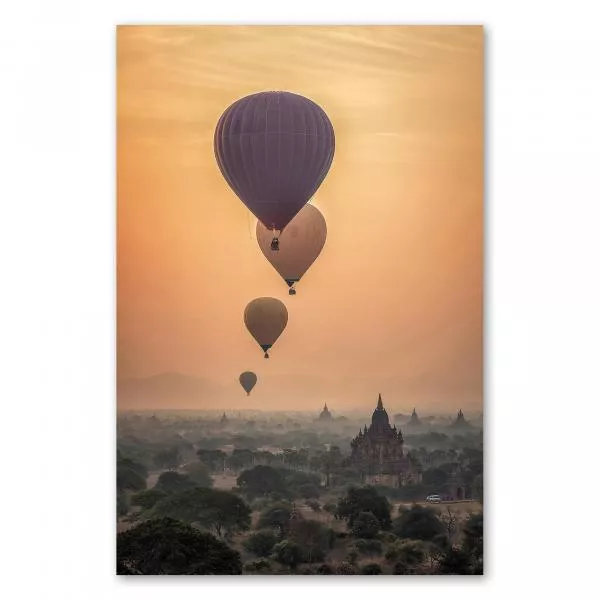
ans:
(279, 495)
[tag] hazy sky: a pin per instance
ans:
(394, 303)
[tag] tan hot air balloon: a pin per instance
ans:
(248, 380)
(300, 243)
(266, 319)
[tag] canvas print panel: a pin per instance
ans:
(300, 300)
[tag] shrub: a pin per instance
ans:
(324, 569)
(309, 490)
(256, 566)
(122, 505)
(368, 547)
(260, 543)
(365, 526)
(455, 561)
(345, 568)
(371, 569)
(408, 553)
(287, 553)
(306, 571)
(277, 517)
(419, 523)
(387, 537)
(312, 537)
(400, 569)
(148, 498)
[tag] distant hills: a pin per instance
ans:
(175, 391)
(169, 390)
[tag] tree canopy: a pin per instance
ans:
(198, 473)
(171, 481)
(364, 499)
(213, 459)
(262, 480)
(215, 510)
(168, 458)
(261, 543)
(287, 553)
(370, 569)
(365, 526)
(407, 554)
(276, 516)
(130, 475)
(435, 477)
(148, 498)
(312, 537)
(138, 467)
(368, 547)
(473, 541)
(419, 523)
(169, 547)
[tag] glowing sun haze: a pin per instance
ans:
(394, 302)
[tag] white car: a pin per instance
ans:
(433, 498)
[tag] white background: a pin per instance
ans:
(57, 309)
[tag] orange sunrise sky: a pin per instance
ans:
(394, 304)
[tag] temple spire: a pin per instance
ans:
(379, 403)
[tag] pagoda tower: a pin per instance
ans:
(325, 414)
(414, 420)
(377, 452)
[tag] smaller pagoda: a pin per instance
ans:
(325, 414)
(414, 420)
(460, 422)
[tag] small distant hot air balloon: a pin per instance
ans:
(266, 319)
(274, 149)
(299, 244)
(248, 380)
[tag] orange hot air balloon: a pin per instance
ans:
(265, 319)
(248, 380)
(300, 243)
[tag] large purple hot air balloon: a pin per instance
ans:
(274, 149)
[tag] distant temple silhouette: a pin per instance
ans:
(414, 420)
(224, 419)
(377, 452)
(325, 414)
(460, 422)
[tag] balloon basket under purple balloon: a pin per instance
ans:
(292, 292)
